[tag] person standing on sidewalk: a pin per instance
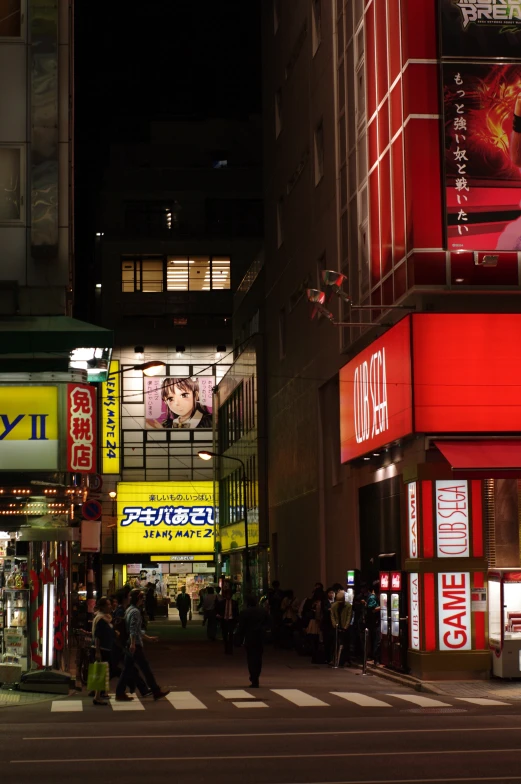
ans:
(210, 617)
(341, 612)
(253, 622)
(183, 604)
(227, 614)
(133, 619)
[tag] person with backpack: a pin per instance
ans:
(136, 656)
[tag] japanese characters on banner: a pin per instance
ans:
(454, 612)
(110, 421)
(452, 519)
(81, 429)
(412, 518)
(414, 610)
(165, 517)
(173, 402)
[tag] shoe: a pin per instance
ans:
(99, 702)
(160, 694)
(255, 684)
(148, 693)
(124, 698)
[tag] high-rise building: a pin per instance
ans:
(395, 200)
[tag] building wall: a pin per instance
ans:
(36, 131)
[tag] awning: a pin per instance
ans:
(494, 459)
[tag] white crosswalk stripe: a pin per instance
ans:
(361, 699)
(66, 706)
(482, 701)
(254, 704)
(131, 705)
(300, 698)
(185, 700)
(235, 694)
(422, 702)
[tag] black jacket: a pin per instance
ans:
(253, 622)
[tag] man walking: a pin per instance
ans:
(227, 614)
(134, 621)
(252, 624)
(183, 604)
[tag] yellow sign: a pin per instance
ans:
(233, 538)
(110, 421)
(180, 558)
(172, 517)
(28, 428)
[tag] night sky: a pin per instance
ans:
(158, 59)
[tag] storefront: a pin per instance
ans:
(431, 428)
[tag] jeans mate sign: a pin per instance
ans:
(412, 518)
(165, 517)
(454, 616)
(414, 610)
(452, 519)
(110, 421)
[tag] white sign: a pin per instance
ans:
(370, 381)
(452, 519)
(412, 518)
(479, 600)
(414, 610)
(454, 626)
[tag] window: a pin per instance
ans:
(152, 219)
(319, 152)
(316, 13)
(234, 217)
(280, 228)
(179, 273)
(282, 333)
(278, 113)
(11, 198)
(10, 18)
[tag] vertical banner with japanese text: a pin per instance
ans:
(81, 429)
(110, 421)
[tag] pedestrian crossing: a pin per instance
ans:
(276, 698)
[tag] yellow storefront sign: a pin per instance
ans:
(110, 421)
(233, 538)
(28, 428)
(166, 517)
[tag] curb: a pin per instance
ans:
(402, 679)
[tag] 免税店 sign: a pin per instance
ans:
(81, 428)
(452, 519)
(414, 610)
(412, 518)
(454, 613)
(165, 517)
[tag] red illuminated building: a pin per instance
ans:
(395, 438)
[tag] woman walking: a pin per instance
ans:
(103, 639)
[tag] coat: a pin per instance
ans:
(341, 613)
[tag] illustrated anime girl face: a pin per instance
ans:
(181, 395)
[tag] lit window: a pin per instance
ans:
(177, 274)
(221, 272)
(199, 272)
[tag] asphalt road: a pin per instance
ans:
(305, 724)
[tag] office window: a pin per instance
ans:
(11, 197)
(278, 113)
(280, 227)
(177, 274)
(142, 274)
(282, 333)
(221, 272)
(197, 273)
(319, 152)
(10, 18)
(316, 13)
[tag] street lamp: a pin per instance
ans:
(152, 368)
(205, 455)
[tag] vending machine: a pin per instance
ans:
(398, 622)
(385, 644)
(350, 586)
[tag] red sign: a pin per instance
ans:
(376, 394)
(81, 429)
(465, 374)
(452, 519)
(384, 581)
(454, 628)
(412, 518)
(396, 581)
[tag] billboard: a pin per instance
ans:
(482, 155)
(478, 29)
(174, 402)
(81, 429)
(454, 614)
(29, 428)
(165, 517)
(110, 421)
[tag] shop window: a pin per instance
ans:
(11, 195)
(11, 19)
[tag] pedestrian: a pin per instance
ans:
(289, 609)
(252, 625)
(183, 604)
(328, 633)
(151, 602)
(373, 623)
(129, 675)
(103, 641)
(227, 613)
(341, 612)
(274, 601)
(314, 627)
(133, 619)
(209, 613)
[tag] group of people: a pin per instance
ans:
(118, 634)
(325, 624)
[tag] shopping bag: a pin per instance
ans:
(97, 677)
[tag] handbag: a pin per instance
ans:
(98, 676)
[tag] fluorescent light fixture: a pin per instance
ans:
(48, 625)
(98, 285)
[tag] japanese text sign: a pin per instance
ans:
(165, 517)
(81, 428)
(29, 428)
(110, 421)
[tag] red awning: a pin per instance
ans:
(492, 459)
